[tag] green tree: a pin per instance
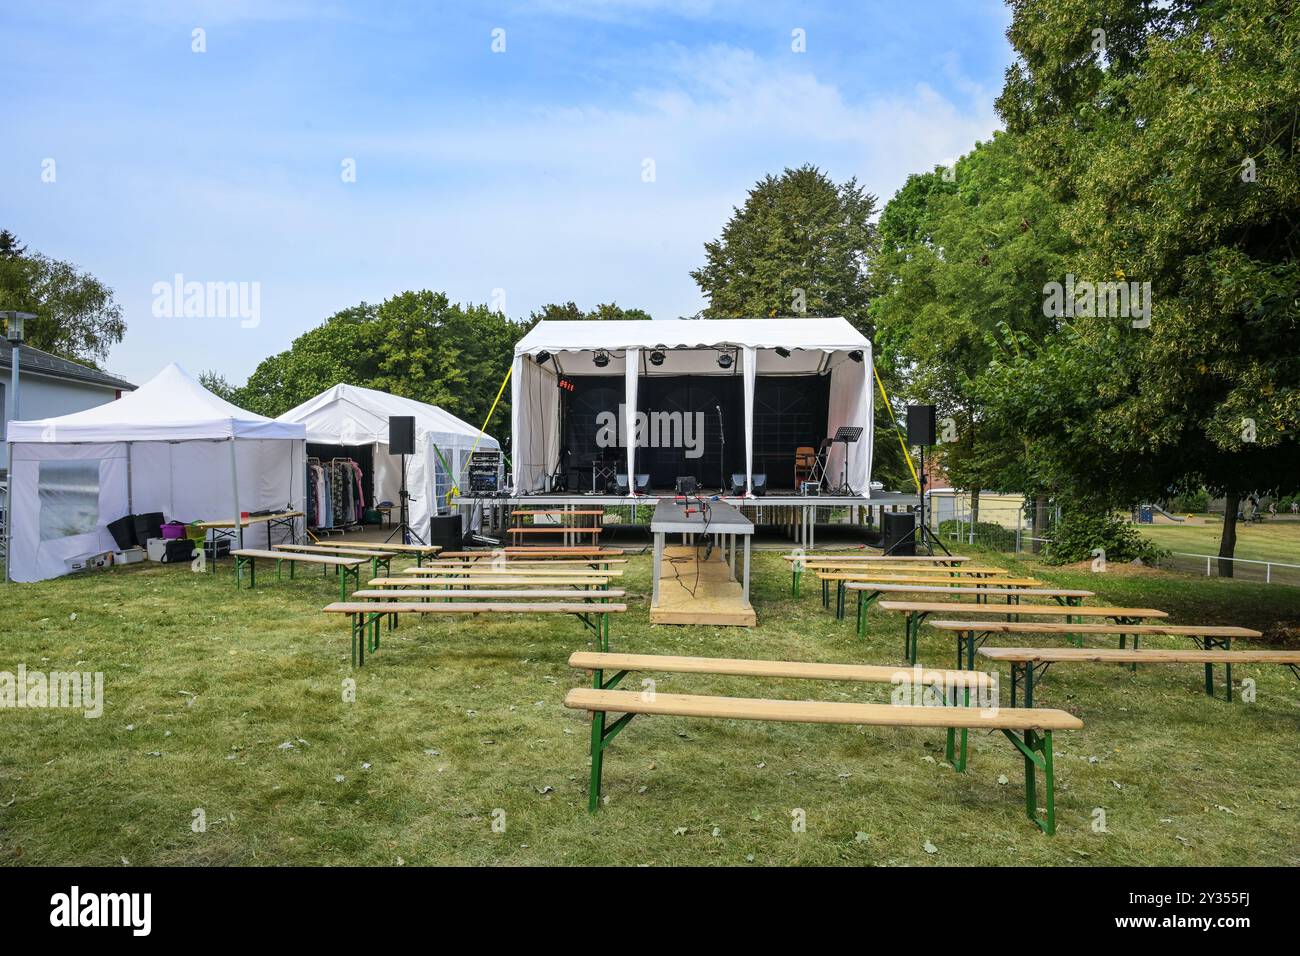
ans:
(798, 247)
(1169, 130)
(569, 312)
(76, 316)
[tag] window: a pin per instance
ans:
(68, 492)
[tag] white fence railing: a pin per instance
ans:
(1245, 569)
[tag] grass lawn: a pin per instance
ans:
(458, 719)
(1270, 540)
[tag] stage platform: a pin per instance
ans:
(716, 598)
(879, 499)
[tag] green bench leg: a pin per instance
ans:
(958, 761)
(826, 593)
(597, 760)
(1037, 751)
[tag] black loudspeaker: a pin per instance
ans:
(620, 483)
(900, 533)
(920, 425)
(738, 484)
(445, 530)
(686, 485)
(401, 434)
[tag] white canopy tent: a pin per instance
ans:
(553, 351)
(353, 416)
(169, 446)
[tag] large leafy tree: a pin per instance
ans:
(1169, 130)
(415, 344)
(799, 246)
(570, 312)
(76, 316)
(964, 253)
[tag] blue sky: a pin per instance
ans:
(512, 177)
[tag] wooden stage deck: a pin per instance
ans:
(717, 599)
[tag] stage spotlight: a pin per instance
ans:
(856, 355)
(601, 358)
(656, 358)
(783, 352)
(542, 357)
(724, 360)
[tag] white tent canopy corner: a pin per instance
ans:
(555, 350)
(170, 446)
(349, 415)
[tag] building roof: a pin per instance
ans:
(43, 363)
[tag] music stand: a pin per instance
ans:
(847, 434)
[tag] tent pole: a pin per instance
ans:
(9, 518)
(234, 488)
(130, 503)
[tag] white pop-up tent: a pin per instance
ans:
(169, 446)
(553, 352)
(349, 415)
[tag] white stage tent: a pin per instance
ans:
(807, 347)
(353, 416)
(169, 446)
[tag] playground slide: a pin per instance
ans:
(1156, 509)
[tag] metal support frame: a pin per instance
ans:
(1037, 750)
(1209, 644)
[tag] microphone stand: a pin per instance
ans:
(722, 455)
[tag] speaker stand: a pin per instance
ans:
(404, 515)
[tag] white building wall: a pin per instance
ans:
(45, 397)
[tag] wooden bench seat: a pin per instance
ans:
(801, 561)
(557, 529)
(366, 616)
(493, 581)
(1028, 664)
(971, 634)
(842, 579)
(601, 699)
(421, 551)
(869, 591)
(395, 594)
(588, 513)
(917, 611)
(349, 566)
(377, 557)
(528, 572)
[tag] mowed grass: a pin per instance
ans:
(1273, 539)
(458, 723)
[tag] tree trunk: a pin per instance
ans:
(1228, 543)
(974, 512)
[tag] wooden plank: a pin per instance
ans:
(866, 673)
(556, 529)
(817, 712)
(387, 546)
(1150, 656)
(346, 561)
(504, 580)
(882, 558)
(1044, 627)
(934, 581)
(983, 592)
(472, 572)
(708, 597)
(312, 549)
(391, 594)
(507, 562)
(595, 512)
(1052, 610)
(526, 607)
(535, 552)
(246, 522)
(969, 570)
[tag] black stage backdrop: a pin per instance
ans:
(788, 413)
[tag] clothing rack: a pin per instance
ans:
(335, 495)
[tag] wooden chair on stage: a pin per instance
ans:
(805, 460)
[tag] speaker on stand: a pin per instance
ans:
(920, 432)
(401, 441)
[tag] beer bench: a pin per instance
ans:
(378, 558)
(1205, 636)
(1029, 664)
(421, 551)
(365, 616)
(974, 577)
(600, 700)
(868, 591)
(349, 568)
(918, 611)
(802, 562)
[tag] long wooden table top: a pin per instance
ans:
(1108, 655)
(385, 545)
(415, 607)
(803, 670)
(471, 573)
(250, 520)
(968, 571)
(1049, 610)
(1044, 627)
(894, 588)
(512, 562)
(393, 594)
(495, 581)
(313, 549)
(996, 580)
(345, 560)
(591, 512)
(885, 558)
(539, 552)
(817, 711)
